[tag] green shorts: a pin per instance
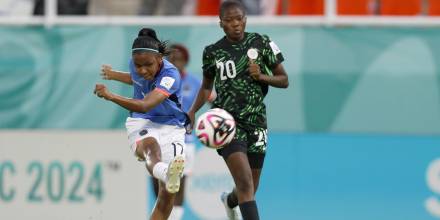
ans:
(252, 142)
(255, 139)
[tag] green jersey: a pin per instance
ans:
(237, 92)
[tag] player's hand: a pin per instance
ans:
(106, 72)
(191, 115)
(254, 70)
(102, 92)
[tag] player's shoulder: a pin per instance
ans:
(169, 69)
(258, 37)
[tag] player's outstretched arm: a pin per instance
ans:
(109, 74)
(150, 101)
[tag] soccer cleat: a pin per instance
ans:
(174, 173)
(232, 214)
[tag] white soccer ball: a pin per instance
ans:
(215, 128)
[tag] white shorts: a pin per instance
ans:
(171, 138)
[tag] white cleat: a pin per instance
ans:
(174, 173)
(232, 214)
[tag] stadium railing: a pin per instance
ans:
(330, 18)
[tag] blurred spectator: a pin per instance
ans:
(114, 7)
(189, 8)
(253, 7)
(16, 7)
(65, 7)
(211, 7)
(162, 7)
(269, 7)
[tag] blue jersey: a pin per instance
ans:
(190, 88)
(168, 82)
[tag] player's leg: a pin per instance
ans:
(164, 203)
(242, 175)
(256, 140)
(256, 161)
(148, 150)
(178, 210)
(168, 173)
(180, 195)
(143, 137)
(173, 153)
(164, 160)
(235, 155)
(155, 185)
(231, 198)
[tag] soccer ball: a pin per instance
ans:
(215, 128)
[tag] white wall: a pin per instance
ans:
(56, 175)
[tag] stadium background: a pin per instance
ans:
(355, 136)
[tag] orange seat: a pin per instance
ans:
(354, 7)
(400, 7)
(305, 7)
(208, 7)
(434, 7)
(279, 10)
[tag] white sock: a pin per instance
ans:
(160, 171)
(176, 213)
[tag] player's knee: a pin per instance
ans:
(148, 147)
(244, 184)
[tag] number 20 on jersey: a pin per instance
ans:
(227, 70)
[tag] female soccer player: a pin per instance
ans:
(179, 57)
(155, 127)
(242, 65)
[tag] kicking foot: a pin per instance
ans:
(174, 173)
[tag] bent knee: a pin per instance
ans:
(144, 147)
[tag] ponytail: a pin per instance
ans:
(147, 41)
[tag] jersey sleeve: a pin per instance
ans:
(271, 53)
(168, 83)
(208, 64)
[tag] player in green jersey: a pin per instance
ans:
(242, 66)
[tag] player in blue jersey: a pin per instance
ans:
(179, 56)
(155, 127)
